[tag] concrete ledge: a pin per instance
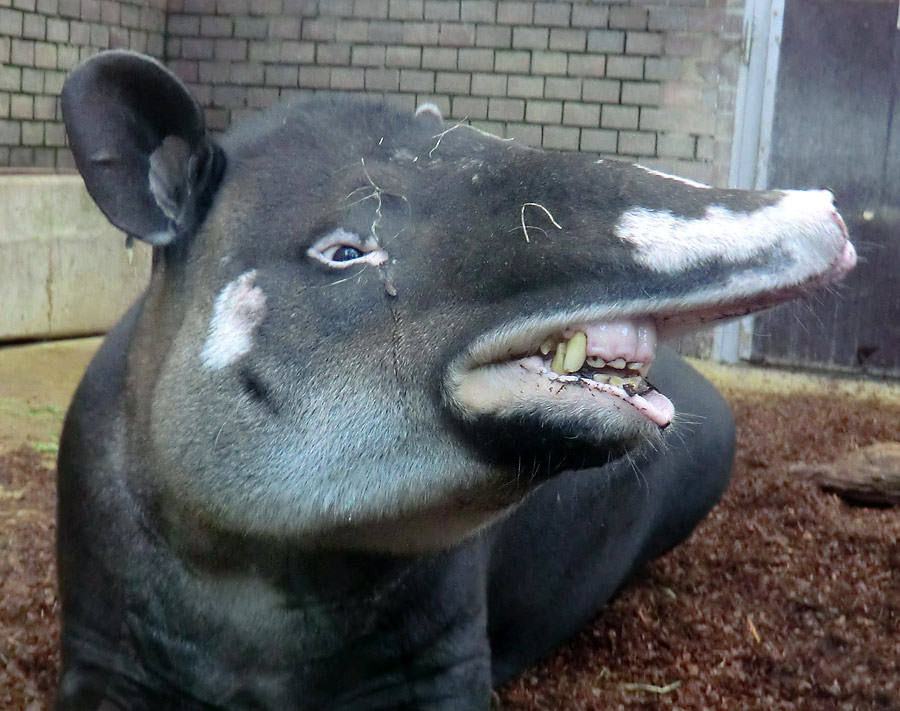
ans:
(64, 270)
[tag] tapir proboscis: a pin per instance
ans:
(381, 430)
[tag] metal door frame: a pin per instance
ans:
(751, 141)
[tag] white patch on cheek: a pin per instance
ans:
(668, 243)
(240, 307)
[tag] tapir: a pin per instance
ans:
(391, 419)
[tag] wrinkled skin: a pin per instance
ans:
(286, 481)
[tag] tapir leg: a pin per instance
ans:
(576, 540)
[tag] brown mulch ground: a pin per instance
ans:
(29, 626)
(785, 598)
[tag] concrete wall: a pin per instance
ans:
(40, 40)
(64, 269)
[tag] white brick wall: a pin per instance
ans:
(40, 40)
(644, 80)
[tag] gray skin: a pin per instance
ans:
(323, 521)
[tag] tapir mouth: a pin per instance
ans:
(612, 358)
(585, 366)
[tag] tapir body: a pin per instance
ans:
(381, 430)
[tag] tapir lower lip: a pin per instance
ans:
(650, 403)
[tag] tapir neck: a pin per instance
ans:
(245, 622)
(387, 631)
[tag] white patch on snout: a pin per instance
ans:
(802, 223)
(239, 309)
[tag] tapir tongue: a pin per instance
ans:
(656, 407)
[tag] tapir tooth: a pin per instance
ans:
(596, 362)
(557, 365)
(547, 346)
(617, 363)
(576, 352)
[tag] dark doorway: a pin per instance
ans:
(836, 126)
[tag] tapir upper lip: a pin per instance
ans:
(674, 321)
(670, 316)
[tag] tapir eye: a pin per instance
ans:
(344, 253)
(340, 249)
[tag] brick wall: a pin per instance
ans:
(40, 40)
(646, 80)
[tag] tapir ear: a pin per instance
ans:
(140, 144)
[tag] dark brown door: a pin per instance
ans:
(836, 126)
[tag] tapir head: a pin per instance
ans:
(374, 329)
